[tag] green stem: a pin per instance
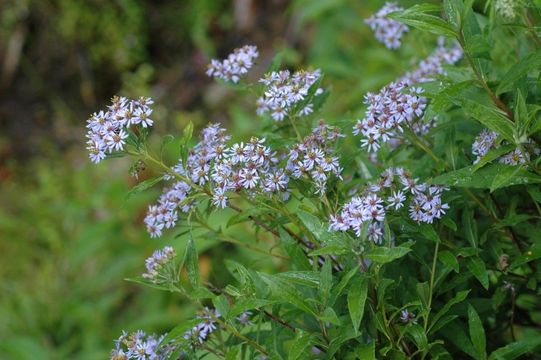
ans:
(292, 121)
(431, 288)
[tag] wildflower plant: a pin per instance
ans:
(421, 240)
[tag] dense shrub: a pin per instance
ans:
(410, 232)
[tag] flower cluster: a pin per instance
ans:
(483, 143)
(313, 158)
(389, 194)
(108, 130)
(237, 64)
(433, 64)
(284, 92)
(161, 267)
(201, 331)
(387, 30)
(486, 140)
(400, 104)
(395, 106)
(251, 167)
(165, 214)
(140, 346)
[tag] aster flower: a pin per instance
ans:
(108, 130)
(284, 91)
(313, 158)
(486, 141)
(387, 30)
(161, 267)
(400, 104)
(235, 65)
(140, 346)
(370, 208)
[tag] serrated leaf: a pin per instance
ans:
(307, 278)
(283, 291)
(143, 185)
(478, 269)
(477, 333)
(484, 177)
(320, 230)
(356, 299)
(383, 255)
(417, 16)
(522, 117)
(491, 117)
(504, 178)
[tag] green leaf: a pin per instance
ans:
(478, 269)
(423, 290)
(178, 331)
(517, 349)
(418, 336)
(320, 230)
(187, 133)
(427, 230)
(459, 297)
(192, 264)
(449, 260)
(470, 227)
(505, 177)
(143, 185)
(329, 315)
(243, 305)
(533, 253)
(337, 290)
(522, 117)
(528, 63)
(222, 306)
(484, 177)
(306, 278)
(477, 333)
(356, 299)
(367, 351)
(491, 117)
(417, 16)
(283, 291)
(302, 341)
(383, 255)
(456, 335)
(325, 281)
(330, 250)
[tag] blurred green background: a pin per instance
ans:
(68, 235)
